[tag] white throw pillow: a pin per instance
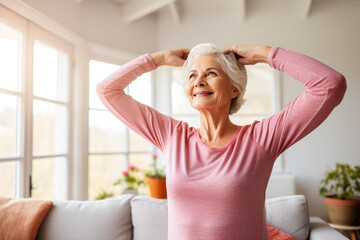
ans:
(86, 220)
(289, 214)
(150, 218)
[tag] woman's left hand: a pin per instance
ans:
(249, 54)
(173, 57)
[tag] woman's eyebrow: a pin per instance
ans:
(210, 68)
(194, 70)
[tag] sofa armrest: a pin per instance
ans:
(320, 230)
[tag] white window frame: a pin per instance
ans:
(37, 33)
(30, 33)
(14, 21)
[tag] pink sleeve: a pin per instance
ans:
(144, 120)
(325, 90)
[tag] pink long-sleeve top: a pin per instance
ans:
(219, 193)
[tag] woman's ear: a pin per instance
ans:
(235, 92)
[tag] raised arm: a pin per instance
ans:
(144, 120)
(325, 90)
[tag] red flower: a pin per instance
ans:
(125, 173)
(154, 155)
(132, 167)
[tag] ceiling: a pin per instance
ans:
(133, 10)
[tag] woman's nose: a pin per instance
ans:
(200, 82)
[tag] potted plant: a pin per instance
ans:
(156, 179)
(131, 179)
(341, 191)
(104, 194)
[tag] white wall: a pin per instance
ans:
(330, 34)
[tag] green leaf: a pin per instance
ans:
(323, 191)
(344, 181)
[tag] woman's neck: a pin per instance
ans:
(216, 129)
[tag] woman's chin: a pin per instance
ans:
(203, 107)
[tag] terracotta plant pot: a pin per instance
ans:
(343, 212)
(157, 187)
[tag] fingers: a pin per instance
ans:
(229, 49)
(176, 57)
(246, 54)
(244, 61)
(183, 53)
(235, 49)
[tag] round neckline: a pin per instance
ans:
(215, 149)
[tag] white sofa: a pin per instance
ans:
(143, 218)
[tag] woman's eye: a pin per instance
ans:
(212, 74)
(191, 76)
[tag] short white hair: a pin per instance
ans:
(233, 69)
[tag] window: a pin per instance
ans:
(51, 110)
(261, 99)
(35, 105)
(113, 146)
(11, 105)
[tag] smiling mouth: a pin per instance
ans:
(202, 94)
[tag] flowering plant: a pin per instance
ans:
(131, 178)
(341, 183)
(155, 172)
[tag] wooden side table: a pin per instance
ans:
(354, 230)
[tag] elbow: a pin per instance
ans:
(339, 88)
(100, 89)
(341, 84)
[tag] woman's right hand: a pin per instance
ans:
(249, 54)
(173, 57)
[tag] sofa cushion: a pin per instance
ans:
(149, 218)
(20, 218)
(289, 214)
(77, 220)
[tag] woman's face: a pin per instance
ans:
(208, 87)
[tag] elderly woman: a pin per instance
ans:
(217, 174)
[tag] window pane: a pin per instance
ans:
(141, 160)
(7, 179)
(106, 132)
(259, 90)
(9, 121)
(51, 72)
(244, 120)
(48, 178)
(98, 72)
(42, 178)
(138, 143)
(180, 102)
(50, 128)
(104, 170)
(193, 121)
(140, 89)
(10, 58)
